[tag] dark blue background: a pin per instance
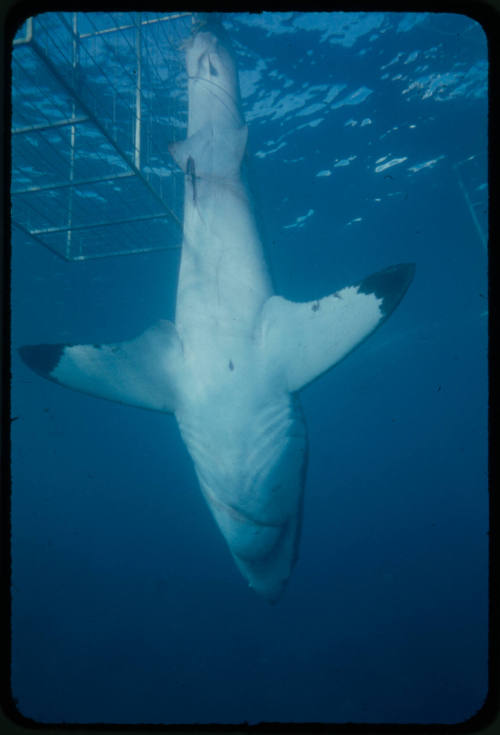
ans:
(127, 606)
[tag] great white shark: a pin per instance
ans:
(231, 366)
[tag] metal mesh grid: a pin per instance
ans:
(96, 100)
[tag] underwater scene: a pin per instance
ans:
(280, 513)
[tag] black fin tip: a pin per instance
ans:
(43, 359)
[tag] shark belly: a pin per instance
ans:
(223, 279)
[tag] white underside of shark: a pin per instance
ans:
(231, 366)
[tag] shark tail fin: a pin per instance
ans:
(303, 340)
(141, 372)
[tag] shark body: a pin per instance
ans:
(231, 365)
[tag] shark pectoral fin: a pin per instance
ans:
(141, 372)
(217, 154)
(303, 340)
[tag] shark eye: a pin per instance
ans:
(213, 70)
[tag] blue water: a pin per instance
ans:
(127, 606)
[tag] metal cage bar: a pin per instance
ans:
(145, 171)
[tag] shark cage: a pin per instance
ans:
(96, 100)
